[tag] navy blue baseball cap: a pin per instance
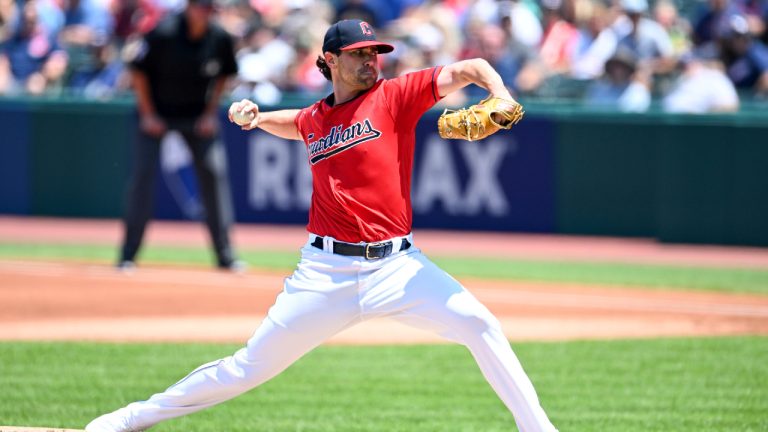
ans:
(352, 34)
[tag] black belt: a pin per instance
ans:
(370, 251)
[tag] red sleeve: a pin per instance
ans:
(412, 94)
(299, 120)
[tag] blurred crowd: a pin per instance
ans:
(687, 56)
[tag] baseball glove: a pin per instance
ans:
(481, 120)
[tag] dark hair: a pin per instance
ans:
(323, 66)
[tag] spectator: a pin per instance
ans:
(646, 38)
(50, 16)
(133, 17)
(745, 58)
(88, 27)
(171, 6)
(596, 43)
(179, 72)
(678, 28)
(237, 17)
(756, 13)
(429, 40)
(365, 10)
(560, 38)
(702, 88)
(306, 32)
(493, 44)
(31, 60)
(710, 23)
(623, 87)
(275, 39)
(85, 21)
(263, 64)
(521, 22)
(761, 22)
(431, 32)
(443, 18)
(102, 78)
(8, 18)
(633, 31)
(305, 77)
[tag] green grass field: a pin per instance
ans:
(647, 276)
(700, 384)
(712, 384)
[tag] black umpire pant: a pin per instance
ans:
(211, 168)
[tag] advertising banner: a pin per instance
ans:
(14, 160)
(504, 182)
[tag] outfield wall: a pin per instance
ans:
(676, 178)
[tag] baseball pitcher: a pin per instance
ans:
(360, 260)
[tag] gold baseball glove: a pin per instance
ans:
(481, 120)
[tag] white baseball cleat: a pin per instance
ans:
(116, 421)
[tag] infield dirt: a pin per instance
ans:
(46, 300)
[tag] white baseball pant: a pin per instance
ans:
(328, 293)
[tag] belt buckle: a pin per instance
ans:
(367, 250)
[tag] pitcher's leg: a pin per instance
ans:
(271, 350)
(433, 300)
(307, 312)
(505, 374)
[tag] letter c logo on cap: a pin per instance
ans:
(366, 28)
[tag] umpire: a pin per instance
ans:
(179, 71)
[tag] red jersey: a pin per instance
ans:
(361, 156)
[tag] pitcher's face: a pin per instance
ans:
(358, 68)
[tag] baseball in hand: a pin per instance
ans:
(242, 118)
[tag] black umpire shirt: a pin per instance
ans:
(181, 71)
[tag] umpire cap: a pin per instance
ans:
(352, 34)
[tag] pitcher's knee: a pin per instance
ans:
(476, 324)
